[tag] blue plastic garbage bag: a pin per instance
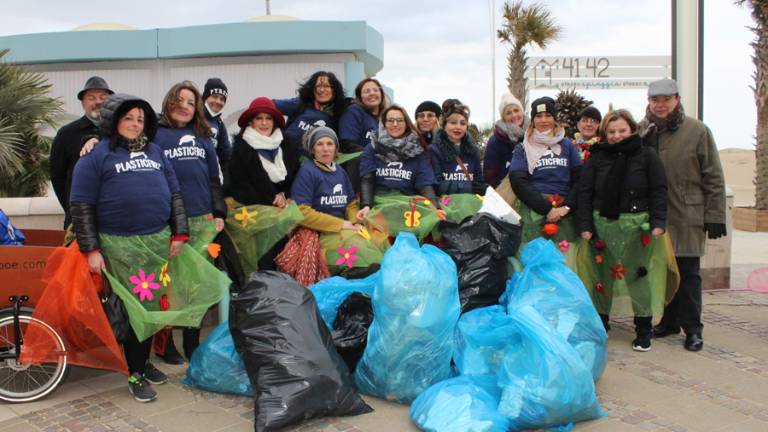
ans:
(461, 404)
(557, 294)
(216, 366)
(481, 340)
(330, 293)
(544, 382)
(415, 309)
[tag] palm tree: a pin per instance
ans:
(759, 9)
(25, 108)
(524, 26)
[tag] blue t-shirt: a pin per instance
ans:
(195, 164)
(131, 190)
(498, 156)
(450, 177)
(358, 125)
(220, 137)
(406, 176)
(300, 122)
(327, 192)
(552, 174)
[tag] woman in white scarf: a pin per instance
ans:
(258, 185)
(262, 167)
(543, 172)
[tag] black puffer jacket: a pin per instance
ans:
(643, 186)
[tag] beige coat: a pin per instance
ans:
(696, 185)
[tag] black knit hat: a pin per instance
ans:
(543, 104)
(429, 106)
(591, 112)
(215, 86)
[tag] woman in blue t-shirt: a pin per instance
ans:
(320, 102)
(185, 138)
(359, 123)
(397, 179)
(508, 133)
(543, 173)
(325, 197)
(454, 155)
(125, 232)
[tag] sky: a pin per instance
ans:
(436, 49)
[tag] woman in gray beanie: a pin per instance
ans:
(330, 233)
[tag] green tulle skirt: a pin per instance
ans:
(627, 271)
(347, 249)
(567, 238)
(394, 213)
(158, 292)
(255, 229)
(202, 231)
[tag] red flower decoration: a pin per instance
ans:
(555, 199)
(646, 240)
(601, 289)
(600, 245)
(617, 272)
(164, 303)
(214, 249)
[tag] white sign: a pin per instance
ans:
(584, 72)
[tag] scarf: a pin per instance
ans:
(274, 166)
(325, 168)
(670, 123)
(210, 111)
(613, 188)
(537, 144)
(509, 132)
(133, 145)
(400, 149)
(450, 150)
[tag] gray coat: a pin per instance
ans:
(696, 185)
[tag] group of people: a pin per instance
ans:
(319, 184)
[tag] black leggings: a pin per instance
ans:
(136, 353)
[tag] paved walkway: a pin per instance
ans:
(722, 388)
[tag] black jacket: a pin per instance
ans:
(246, 180)
(65, 152)
(642, 188)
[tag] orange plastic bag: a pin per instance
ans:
(71, 306)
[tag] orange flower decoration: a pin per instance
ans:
(214, 249)
(549, 230)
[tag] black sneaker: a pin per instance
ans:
(140, 388)
(154, 375)
(642, 343)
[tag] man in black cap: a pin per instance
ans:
(695, 201)
(215, 97)
(69, 140)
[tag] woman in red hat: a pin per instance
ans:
(259, 182)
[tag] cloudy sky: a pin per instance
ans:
(435, 49)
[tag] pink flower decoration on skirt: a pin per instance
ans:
(347, 256)
(143, 285)
(564, 246)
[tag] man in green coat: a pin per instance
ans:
(695, 203)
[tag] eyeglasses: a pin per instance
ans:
(426, 115)
(370, 90)
(395, 120)
(589, 120)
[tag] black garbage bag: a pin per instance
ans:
(350, 328)
(289, 355)
(480, 246)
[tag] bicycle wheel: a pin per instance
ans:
(21, 382)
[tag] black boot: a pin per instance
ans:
(643, 331)
(191, 341)
(172, 355)
(605, 319)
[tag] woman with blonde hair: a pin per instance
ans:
(543, 172)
